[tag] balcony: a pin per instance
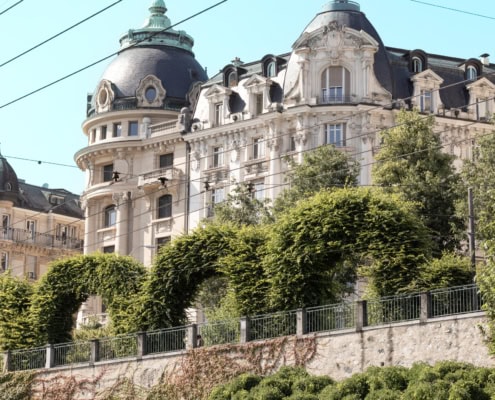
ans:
(23, 236)
(338, 99)
(150, 180)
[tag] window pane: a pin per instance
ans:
(133, 128)
(217, 156)
(109, 249)
(110, 216)
(117, 129)
(107, 172)
(167, 160)
(103, 132)
(165, 206)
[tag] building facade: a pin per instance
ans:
(38, 225)
(165, 142)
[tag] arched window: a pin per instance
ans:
(471, 73)
(335, 85)
(110, 216)
(165, 206)
(417, 64)
(232, 79)
(271, 69)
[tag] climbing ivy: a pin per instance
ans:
(69, 282)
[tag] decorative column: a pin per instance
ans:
(121, 223)
(273, 143)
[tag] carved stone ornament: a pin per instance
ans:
(195, 161)
(104, 96)
(150, 92)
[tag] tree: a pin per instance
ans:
(316, 246)
(242, 208)
(325, 167)
(479, 174)
(411, 162)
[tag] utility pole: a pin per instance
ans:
(472, 245)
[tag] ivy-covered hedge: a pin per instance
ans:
(446, 380)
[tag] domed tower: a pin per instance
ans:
(135, 161)
(9, 184)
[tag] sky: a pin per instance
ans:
(40, 133)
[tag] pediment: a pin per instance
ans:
(217, 90)
(334, 36)
(482, 84)
(257, 80)
(427, 75)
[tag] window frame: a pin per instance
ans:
(335, 134)
(162, 160)
(164, 206)
(103, 132)
(107, 172)
(4, 261)
(335, 89)
(471, 73)
(218, 113)
(117, 129)
(259, 148)
(218, 156)
(133, 128)
(110, 216)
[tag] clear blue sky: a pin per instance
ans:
(47, 125)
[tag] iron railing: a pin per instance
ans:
(330, 318)
(117, 347)
(386, 310)
(223, 332)
(273, 325)
(165, 340)
(23, 360)
(455, 300)
(71, 353)
(393, 309)
(41, 239)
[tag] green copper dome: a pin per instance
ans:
(157, 31)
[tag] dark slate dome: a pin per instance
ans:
(176, 68)
(155, 49)
(9, 184)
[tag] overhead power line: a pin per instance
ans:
(453, 9)
(107, 57)
(58, 34)
(11, 7)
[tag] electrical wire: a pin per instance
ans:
(11, 7)
(453, 9)
(63, 78)
(58, 34)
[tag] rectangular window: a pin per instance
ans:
(92, 136)
(165, 206)
(166, 160)
(133, 128)
(103, 132)
(335, 134)
(4, 261)
(109, 249)
(258, 148)
(259, 191)
(6, 231)
(117, 130)
(218, 114)
(107, 172)
(162, 241)
(31, 228)
(292, 146)
(31, 264)
(426, 101)
(259, 104)
(216, 196)
(217, 156)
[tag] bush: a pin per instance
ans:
(312, 384)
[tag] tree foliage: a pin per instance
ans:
(411, 162)
(325, 167)
(316, 246)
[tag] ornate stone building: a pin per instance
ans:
(165, 142)
(38, 225)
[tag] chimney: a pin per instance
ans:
(484, 58)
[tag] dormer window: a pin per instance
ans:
(271, 69)
(471, 73)
(335, 85)
(417, 65)
(232, 79)
(150, 92)
(418, 61)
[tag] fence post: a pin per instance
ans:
(301, 322)
(245, 330)
(361, 315)
(6, 361)
(425, 307)
(141, 344)
(192, 333)
(95, 351)
(50, 356)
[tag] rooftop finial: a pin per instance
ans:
(157, 18)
